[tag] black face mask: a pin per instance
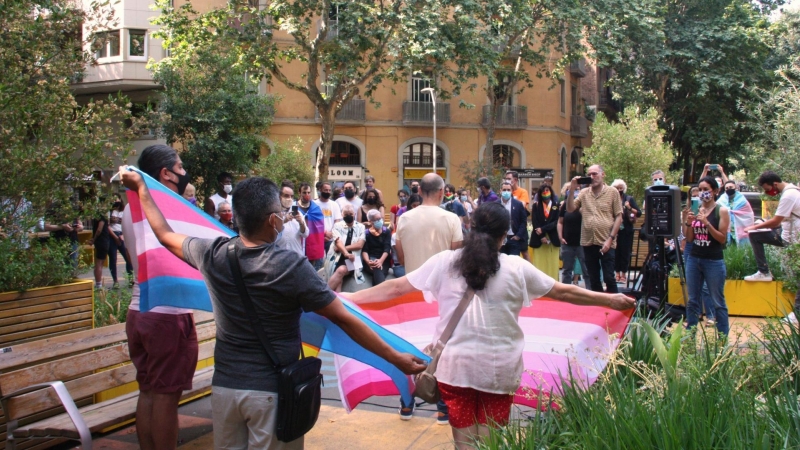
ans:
(731, 192)
(325, 195)
(117, 205)
(414, 189)
(183, 180)
(370, 200)
(348, 219)
(349, 193)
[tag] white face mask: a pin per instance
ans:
(227, 188)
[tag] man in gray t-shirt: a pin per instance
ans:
(281, 285)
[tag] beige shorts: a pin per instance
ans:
(245, 419)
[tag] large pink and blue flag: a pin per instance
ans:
(564, 343)
(165, 279)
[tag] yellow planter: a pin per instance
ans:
(758, 299)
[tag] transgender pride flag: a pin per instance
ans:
(561, 341)
(165, 279)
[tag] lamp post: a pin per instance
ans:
(433, 100)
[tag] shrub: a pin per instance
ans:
(40, 265)
(111, 306)
(287, 162)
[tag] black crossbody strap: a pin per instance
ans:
(233, 261)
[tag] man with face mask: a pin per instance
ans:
(350, 196)
(330, 211)
(782, 229)
(295, 230)
(315, 240)
(415, 187)
(224, 188)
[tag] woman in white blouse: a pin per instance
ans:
(481, 365)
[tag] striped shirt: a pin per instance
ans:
(598, 212)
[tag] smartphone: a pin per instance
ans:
(585, 180)
(294, 209)
(713, 167)
(695, 205)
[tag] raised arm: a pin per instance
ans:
(169, 239)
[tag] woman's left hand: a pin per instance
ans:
(620, 302)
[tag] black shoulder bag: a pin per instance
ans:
(299, 391)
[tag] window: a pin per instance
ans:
(420, 81)
(106, 44)
(563, 87)
(574, 163)
(344, 154)
(503, 155)
(421, 155)
(137, 43)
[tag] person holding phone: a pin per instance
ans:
(295, 230)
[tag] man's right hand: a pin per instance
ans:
(409, 364)
(573, 185)
(620, 302)
(131, 179)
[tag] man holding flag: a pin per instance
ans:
(244, 403)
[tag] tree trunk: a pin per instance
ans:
(328, 115)
(488, 155)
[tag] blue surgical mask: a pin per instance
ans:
(506, 195)
(280, 235)
(706, 196)
(658, 182)
(463, 198)
(378, 224)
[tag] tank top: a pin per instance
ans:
(704, 245)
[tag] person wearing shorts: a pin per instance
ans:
(100, 241)
(162, 341)
(481, 365)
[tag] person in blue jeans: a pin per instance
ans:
(708, 305)
(708, 232)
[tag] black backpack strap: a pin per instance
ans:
(233, 261)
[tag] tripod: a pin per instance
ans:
(655, 275)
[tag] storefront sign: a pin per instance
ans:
(533, 173)
(344, 173)
(416, 174)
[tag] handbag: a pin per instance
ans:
(299, 383)
(426, 386)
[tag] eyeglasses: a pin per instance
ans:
(281, 214)
(593, 174)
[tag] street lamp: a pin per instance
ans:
(433, 100)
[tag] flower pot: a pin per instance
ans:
(756, 299)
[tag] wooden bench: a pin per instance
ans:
(48, 386)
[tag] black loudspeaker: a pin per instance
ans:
(662, 211)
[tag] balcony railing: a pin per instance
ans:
(579, 126)
(333, 29)
(423, 112)
(422, 160)
(508, 116)
(578, 68)
(513, 53)
(354, 111)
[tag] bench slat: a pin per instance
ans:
(47, 299)
(49, 307)
(105, 414)
(62, 345)
(32, 325)
(38, 292)
(12, 339)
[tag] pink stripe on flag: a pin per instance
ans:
(159, 262)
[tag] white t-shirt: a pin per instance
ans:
(789, 209)
(116, 227)
(425, 231)
(292, 239)
(330, 213)
(485, 350)
(130, 244)
(355, 202)
(217, 199)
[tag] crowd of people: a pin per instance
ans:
(299, 251)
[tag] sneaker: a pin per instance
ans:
(710, 323)
(115, 285)
(791, 318)
(759, 276)
(442, 418)
(407, 413)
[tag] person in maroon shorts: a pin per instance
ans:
(162, 342)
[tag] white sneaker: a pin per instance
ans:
(791, 318)
(759, 276)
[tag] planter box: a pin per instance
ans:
(41, 313)
(757, 299)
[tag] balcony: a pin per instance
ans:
(513, 53)
(333, 29)
(422, 113)
(578, 126)
(353, 111)
(578, 68)
(418, 160)
(508, 116)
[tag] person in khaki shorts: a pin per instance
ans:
(601, 209)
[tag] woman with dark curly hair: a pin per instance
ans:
(372, 201)
(488, 335)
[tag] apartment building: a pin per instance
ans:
(539, 130)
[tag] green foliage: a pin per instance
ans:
(694, 61)
(775, 120)
(728, 397)
(289, 161)
(48, 141)
(40, 265)
(111, 306)
(740, 261)
(213, 110)
(631, 149)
